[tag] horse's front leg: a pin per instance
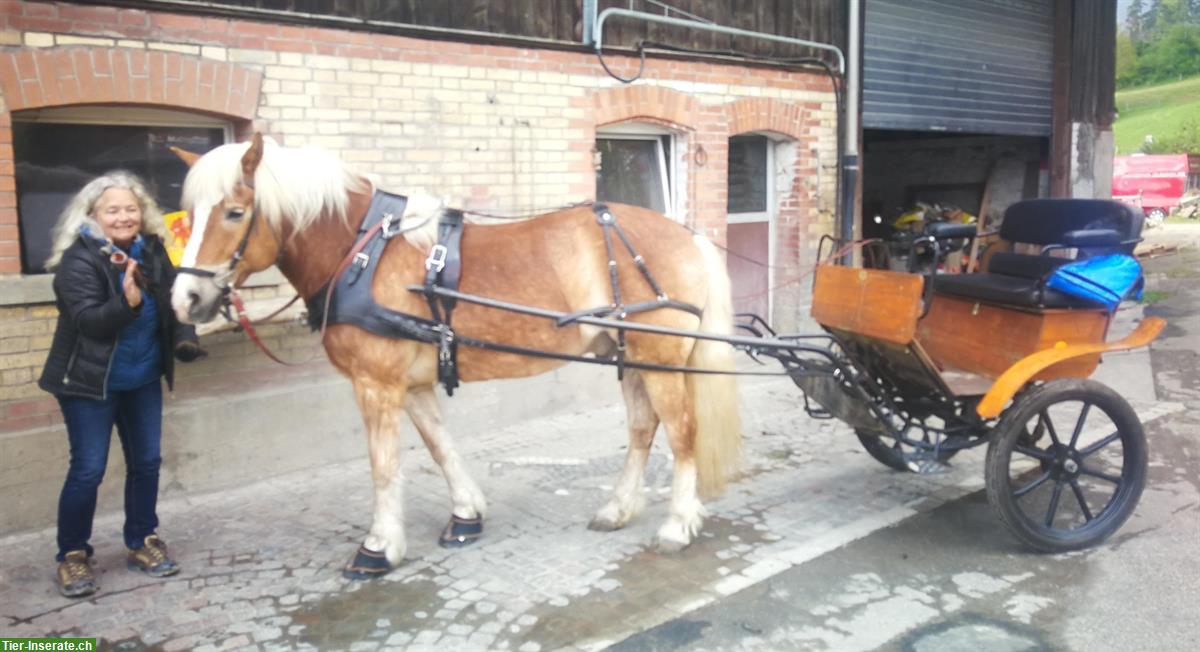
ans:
(469, 505)
(384, 546)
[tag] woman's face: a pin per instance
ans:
(119, 215)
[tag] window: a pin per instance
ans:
(748, 174)
(57, 151)
(636, 167)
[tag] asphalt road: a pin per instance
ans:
(953, 579)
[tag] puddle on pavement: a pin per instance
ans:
(342, 619)
(648, 580)
(972, 633)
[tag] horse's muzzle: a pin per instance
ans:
(195, 299)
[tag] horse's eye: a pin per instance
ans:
(235, 214)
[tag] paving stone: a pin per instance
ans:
(537, 572)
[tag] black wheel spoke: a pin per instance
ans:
(1032, 485)
(1079, 425)
(1087, 513)
(1036, 453)
(1045, 417)
(1097, 474)
(1053, 504)
(1100, 444)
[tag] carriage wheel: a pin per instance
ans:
(889, 452)
(1066, 465)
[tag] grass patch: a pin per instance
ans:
(1151, 297)
(1179, 219)
(1162, 111)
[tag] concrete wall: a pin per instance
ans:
(487, 126)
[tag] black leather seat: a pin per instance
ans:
(1090, 226)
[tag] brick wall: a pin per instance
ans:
(486, 126)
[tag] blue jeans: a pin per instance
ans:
(137, 413)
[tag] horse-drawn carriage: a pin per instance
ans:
(925, 366)
(920, 367)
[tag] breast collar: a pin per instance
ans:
(351, 301)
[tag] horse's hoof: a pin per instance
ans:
(603, 525)
(367, 564)
(669, 546)
(609, 519)
(461, 532)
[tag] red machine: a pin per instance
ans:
(1152, 182)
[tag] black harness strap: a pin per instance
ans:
(349, 300)
(443, 269)
(608, 224)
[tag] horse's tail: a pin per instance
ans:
(718, 446)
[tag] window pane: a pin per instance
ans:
(748, 174)
(630, 173)
(53, 161)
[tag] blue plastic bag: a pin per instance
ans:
(1104, 279)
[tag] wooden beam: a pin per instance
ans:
(1060, 119)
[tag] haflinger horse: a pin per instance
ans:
(309, 206)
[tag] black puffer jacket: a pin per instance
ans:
(92, 310)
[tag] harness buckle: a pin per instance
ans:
(437, 258)
(391, 226)
(358, 266)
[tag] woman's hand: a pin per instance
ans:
(133, 293)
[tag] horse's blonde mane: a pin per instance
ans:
(295, 186)
(292, 186)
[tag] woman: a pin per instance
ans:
(115, 333)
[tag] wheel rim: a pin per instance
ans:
(1072, 480)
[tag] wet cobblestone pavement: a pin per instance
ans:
(261, 563)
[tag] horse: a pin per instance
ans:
(257, 204)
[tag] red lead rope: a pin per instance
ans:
(244, 320)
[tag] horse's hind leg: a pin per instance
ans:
(385, 545)
(628, 500)
(466, 519)
(672, 402)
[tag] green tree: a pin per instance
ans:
(1135, 18)
(1168, 14)
(1173, 55)
(1127, 65)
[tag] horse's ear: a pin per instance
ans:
(187, 157)
(251, 159)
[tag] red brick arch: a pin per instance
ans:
(640, 102)
(33, 79)
(765, 114)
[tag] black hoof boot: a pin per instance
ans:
(367, 564)
(461, 532)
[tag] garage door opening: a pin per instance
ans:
(902, 169)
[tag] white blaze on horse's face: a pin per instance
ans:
(221, 251)
(195, 299)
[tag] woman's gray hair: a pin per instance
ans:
(78, 212)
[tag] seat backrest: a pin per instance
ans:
(1044, 221)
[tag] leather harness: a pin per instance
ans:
(347, 298)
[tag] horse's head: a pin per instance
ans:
(229, 239)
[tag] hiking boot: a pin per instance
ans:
(152, 558)
(75, 578)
